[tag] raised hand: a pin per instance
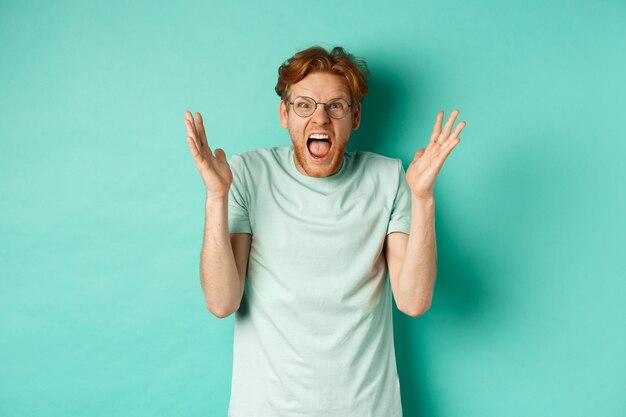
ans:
(214, 169)
(428, 161)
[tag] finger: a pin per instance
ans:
(191, 131)
(457, 130)
(201, 133)
(448, 127)
(455, 134)
(198, 158)
(220, 154)
(193, 147)
(419, 153)
(447, 148)
(191, 127)
(437, 127)
(194, 128)
(189, 118)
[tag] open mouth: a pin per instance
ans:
(319, 145)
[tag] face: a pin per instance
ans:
(322, 87)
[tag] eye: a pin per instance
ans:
(304, 104)
(336, 105)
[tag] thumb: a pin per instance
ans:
(419, 153)
(220, 154)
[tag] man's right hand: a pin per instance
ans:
(215, 171)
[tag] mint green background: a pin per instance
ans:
(101, 209)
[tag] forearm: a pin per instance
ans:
(218, 271)
(417, 277)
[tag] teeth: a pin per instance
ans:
(319, 136)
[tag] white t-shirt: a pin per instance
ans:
(314, 332)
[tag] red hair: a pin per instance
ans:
(353, 70)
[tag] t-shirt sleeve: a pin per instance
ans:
(400, 219)
(238, 198)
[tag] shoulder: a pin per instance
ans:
(372, 163)
(258, 158)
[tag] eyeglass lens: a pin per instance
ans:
(305, 106)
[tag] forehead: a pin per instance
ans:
(321, 86)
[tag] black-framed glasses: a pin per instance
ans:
(336, 108)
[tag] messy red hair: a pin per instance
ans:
(353, 70)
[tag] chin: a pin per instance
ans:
(317, 169)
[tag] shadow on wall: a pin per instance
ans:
(381, 109)
(385, 108)
(459, 297)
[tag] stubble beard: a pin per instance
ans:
(327, 170)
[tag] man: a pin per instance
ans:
(316, 229)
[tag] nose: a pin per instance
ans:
(320, 116)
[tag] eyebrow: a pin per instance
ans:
(340, 95)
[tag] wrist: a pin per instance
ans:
(423, 199)
(213, 200)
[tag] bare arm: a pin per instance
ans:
(223, 257)
(412, 260)
(223, 261)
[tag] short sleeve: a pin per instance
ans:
(400, 219)
(238, 198)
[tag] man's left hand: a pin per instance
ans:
(428, 161)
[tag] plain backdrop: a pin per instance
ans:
(102, 208)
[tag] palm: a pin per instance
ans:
(427, 163)
(214, 169)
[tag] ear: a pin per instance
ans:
(283, 113)
(356, 116)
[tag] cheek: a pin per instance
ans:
(294, 133)
(346, 129)
(295, 129)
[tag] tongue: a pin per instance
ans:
(319, 148)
